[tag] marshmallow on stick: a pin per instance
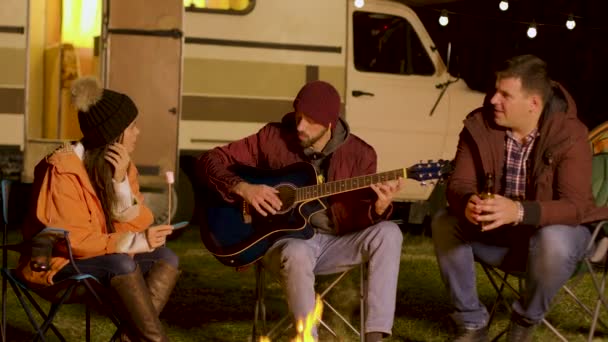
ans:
(170, 180)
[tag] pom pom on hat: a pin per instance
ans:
(85, 93)
(103, 114)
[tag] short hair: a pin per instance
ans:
(531, 70)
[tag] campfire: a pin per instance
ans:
(305, 327)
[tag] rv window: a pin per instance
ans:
(220, 6)
(388, 44)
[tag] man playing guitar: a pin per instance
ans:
(353, 227)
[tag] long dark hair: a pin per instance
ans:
(100, 173)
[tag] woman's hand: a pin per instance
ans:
(118, 156)
(157, 235)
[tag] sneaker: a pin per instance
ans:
(519, 333)
(472, 335)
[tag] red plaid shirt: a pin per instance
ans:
(516, 167)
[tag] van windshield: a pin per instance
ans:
(388, 44)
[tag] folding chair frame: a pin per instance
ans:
(22, 291)
(283, 325)
(499, 281)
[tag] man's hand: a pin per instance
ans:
(118, 156)
(157, 235)
(471, 211)
(262, 197)
(386, 191)
(496, 211)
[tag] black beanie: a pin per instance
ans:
(103, 114)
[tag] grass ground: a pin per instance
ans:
(215, 303)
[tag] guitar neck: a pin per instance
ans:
(311, 192)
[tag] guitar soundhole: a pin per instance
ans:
(287, 194)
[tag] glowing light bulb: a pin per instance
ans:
(359, 3)
(503, 5)
(443, 18)
(532, 31)
(570, 23)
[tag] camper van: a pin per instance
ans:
(205, 73)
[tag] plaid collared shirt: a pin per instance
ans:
(516, 167)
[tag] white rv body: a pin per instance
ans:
(243, 70)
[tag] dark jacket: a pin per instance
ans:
(558, 189)
(275, 146)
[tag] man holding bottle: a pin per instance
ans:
(534, 154)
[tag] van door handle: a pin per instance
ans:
(357, 93)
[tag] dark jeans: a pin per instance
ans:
(105, 267)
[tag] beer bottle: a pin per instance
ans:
(488, 192)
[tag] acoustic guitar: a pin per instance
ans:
(238, 235)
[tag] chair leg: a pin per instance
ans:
(281, 327)
(259, 315)
(87, 314)
(48, 321)
(362, 299)
(4, 283)
(601, 300)
(28, 311)
(504, 283)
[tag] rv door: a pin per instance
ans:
(143, 58)
(393, 81)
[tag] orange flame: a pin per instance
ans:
(305, 327)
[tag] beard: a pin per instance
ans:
(311, 141)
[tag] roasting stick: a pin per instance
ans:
(170, 180)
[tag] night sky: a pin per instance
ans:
(482, 36)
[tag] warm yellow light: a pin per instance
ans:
(236, 5)
(239, 5)
(80, 22)
(305, 327)
(218, 4)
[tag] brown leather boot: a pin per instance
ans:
(134, 307)
(161, 280)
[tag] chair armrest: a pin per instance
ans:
(598, 245)
(42, 245)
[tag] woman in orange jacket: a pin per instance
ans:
(90, 188)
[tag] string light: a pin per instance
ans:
(443, 18)
(570, 23)
(503, 5)
(532, 30)
(533, 26)
(359, 3)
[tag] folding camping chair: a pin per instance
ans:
(499, 278)
(80, 288)
(285, 323)
(596, 263)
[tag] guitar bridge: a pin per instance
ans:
(246, 214)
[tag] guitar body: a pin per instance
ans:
(235, 242)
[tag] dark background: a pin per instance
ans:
(482, 36)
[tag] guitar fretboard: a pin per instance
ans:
(308, 193)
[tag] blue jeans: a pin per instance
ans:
(548, 256)
(296, 262)
(104, 267)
